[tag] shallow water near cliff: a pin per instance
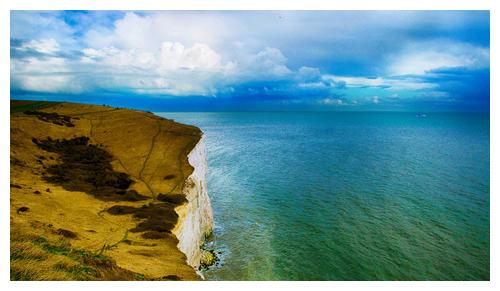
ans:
(348, 196)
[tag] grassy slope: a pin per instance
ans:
(37, 252)
(152, 150)
(22, 105)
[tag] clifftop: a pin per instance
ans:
(100, 181)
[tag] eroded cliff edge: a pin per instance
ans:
(195, 217)
(125, 189)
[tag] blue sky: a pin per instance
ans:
(254, 60)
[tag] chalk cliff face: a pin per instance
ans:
(195, 217)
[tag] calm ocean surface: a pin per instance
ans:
(348, 196)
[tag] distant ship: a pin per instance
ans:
(421, 115)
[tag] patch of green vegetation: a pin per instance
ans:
(140, 277)
(21, 255)
(82, 271)
(87, 261)
(38, 258)
(29, 106)
(20, 276)
(208, 234)
(60, 249)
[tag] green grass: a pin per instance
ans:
(31, 106)
(62, 248)
(35, 257)
(140, 277)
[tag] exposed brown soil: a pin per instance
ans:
(176, 199)
(22, 209)
(171, 278)
(155, 218)
(86, 167)
(66, 233)
(154, 235)
(54, 118)
(17, 162)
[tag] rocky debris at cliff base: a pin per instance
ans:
(208, 235)
(208, 258)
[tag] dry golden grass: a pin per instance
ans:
(38, 253)
(152, 150)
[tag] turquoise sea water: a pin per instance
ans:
(348, 196)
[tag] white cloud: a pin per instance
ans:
(45, 65)
(331, 101)
(390, 83)
(309, 74)
(49, 74)
(178, 50)
(45, 46)
(422, 62)
(125, 59)
(49, 84)
(170, 56)
(31, 25)
(149, 31)
(312, 85)
(375, 99)
(422, 58)
(174, 56)
(434, 95)
(172, 69)
(269, 62)
(358, 81)
(205, 53)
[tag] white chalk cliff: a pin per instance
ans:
(195, 217)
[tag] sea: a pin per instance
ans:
(347, 195)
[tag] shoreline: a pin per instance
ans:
(195, 221)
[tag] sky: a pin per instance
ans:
(254, 60)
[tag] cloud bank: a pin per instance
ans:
(298, 60)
